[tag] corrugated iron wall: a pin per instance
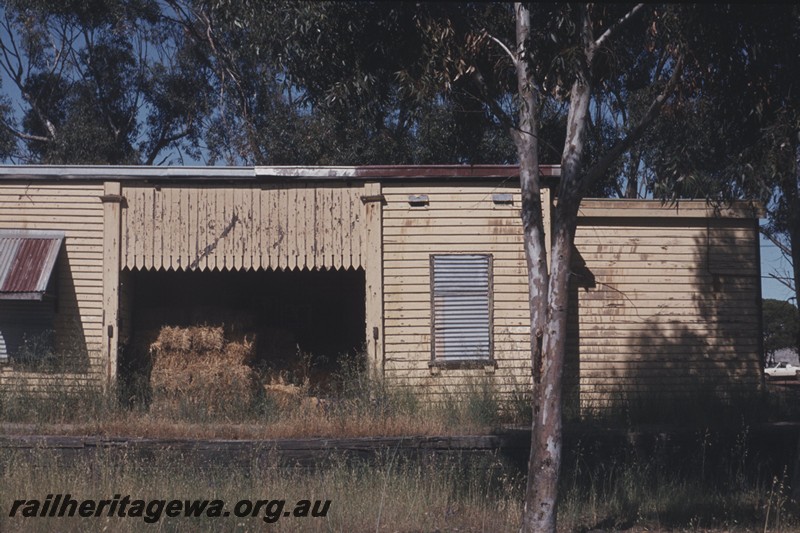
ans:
(242, 227)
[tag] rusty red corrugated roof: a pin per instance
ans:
(27, 258)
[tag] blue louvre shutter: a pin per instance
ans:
(462, 314)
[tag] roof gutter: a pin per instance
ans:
(263, 173)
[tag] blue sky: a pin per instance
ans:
(773, 262)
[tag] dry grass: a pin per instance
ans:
(386, 497)
(608, 493)
(277, 409)
(305, 420)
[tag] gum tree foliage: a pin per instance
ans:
(316, 83)
(152, 82)
(98, 81)
(713, 143)
(781, 324)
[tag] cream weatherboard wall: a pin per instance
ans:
(77, 210)
(666, 299)
(455, 218)
(278, 226)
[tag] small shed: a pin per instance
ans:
(421, 267)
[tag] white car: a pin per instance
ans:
(781, 370)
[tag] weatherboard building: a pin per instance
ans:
(421, 267)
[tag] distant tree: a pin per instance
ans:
(332, 83)
(781, 324)
(99, 82)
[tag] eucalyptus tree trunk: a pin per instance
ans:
(540, 495)
(549, 297)
(549, 288)
(548, 305)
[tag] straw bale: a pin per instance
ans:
(195, 366)
(206, 338)
(240, 352)
(283, 395)
(187, 339)
(171, 339)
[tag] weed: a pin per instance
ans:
(447, 495)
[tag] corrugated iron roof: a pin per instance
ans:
(27, 258)
(266, 174)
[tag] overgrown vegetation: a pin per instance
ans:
(204, 403)
(388, 496)
(706, 405)
(228, 399)
(704, 468)
(705, 482)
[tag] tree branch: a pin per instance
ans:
(512, 55)
(621, 103)
(162, 143)
(23, 136)
(599, 168)
(10, 57)
(616, 26)
(502, 116)
(783, 280)
(48, 124)
(783, 247)
(13, 73)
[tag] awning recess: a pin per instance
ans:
(27, 258)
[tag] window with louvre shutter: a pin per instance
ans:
(461, 307)
(27, 305)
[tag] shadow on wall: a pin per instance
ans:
(51, 335)
(581, 280)
(680, 332)
(71, 342)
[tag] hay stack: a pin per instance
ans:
(194, 367)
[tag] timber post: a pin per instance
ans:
(373, 274)
(112, 204)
